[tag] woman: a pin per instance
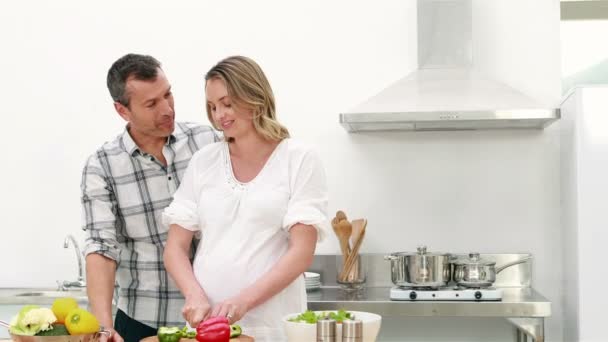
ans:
(258, 200)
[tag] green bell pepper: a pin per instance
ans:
(188, 334)
(169, 334)
(235, 330)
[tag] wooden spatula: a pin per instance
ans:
(352, 258)
(358, 225)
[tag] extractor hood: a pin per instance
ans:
(446, 92)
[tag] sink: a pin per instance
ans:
(39, 296)
(53, 294)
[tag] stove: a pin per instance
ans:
(446, 294)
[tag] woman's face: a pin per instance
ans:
(234, 120)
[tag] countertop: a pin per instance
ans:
(516, 302)
(41, 296)
(524, 307)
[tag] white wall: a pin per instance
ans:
(517, 42)
(455, 191)
(585, 155)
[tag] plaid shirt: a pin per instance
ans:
(124, 192)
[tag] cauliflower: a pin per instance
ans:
(32, 320)
(43, 317)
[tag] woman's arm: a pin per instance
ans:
(177, 262)
(299, 256)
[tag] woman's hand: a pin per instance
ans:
(233, 308)
(196, 310)
(178, 264)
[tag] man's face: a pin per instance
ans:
(150, 112)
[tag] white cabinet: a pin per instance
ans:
(6, 313)
(584, 185)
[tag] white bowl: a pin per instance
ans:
(312, 275)
(306, 332)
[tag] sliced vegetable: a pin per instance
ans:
(188, 333)
(169, 334)
(235, 330)
(216, 329)
(340, 316)
(312, 318)
(307, 317)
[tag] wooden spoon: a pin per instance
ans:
(334, 223)
(344, 231)
(340, 215)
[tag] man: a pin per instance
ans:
(126, 185)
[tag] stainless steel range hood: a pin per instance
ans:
(446, 92)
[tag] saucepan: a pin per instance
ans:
(474, 272)
(420, 269)
(94, 337)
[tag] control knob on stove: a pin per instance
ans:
(413, 295)
(478, 295)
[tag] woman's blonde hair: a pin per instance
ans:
(249, 88)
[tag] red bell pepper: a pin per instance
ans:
(216, 329)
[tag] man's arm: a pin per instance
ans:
(100, 287)
(102, 249)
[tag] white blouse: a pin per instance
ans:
(245, 226)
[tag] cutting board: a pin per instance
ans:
(242, 338)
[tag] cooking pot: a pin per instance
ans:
(94, 337)
(478, 273)
(420, 269)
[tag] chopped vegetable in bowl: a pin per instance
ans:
(312, 317)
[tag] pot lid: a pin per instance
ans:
(474, 259)
(421, 250)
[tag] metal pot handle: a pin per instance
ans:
(513, 263)
(390, 257)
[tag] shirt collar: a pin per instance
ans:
(131, 147)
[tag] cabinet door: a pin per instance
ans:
(6, 313)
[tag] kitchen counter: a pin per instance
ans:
(516, 302)
(521, 305)
(39, 296)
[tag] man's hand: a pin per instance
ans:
(113, 336)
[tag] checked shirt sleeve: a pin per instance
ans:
(183, 210)
(98, 211)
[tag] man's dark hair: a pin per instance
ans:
(140, 67)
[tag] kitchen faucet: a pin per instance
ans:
(80, 283)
